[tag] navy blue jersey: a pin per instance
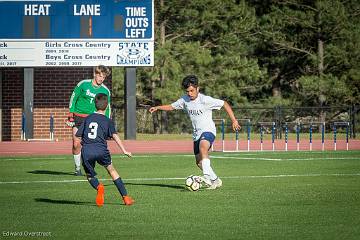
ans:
(95, 130)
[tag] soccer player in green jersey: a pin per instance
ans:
(82, 104)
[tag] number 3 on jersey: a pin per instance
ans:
(93, 130)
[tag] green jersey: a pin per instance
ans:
(82, 99)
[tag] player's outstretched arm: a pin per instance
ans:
(120, 144)
(162, 107)
(235, 124)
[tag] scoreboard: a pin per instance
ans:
(76, 33)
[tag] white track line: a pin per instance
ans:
(286, 159)
(46, 158)
(182, 178)
(212, 156)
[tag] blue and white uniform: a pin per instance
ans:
(200, 113)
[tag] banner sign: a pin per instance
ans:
(39, 33)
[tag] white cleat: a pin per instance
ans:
(206, 180)
(215, 184)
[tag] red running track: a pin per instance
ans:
(23, 148)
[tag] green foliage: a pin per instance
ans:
(312, 87)
(292, 32)
(255, 53)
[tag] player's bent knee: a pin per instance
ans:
(203, 155)
(76, 147)
(204, 147)
(76, 142)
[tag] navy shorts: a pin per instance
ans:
(208, 136)
(92, 155)
(78, 121)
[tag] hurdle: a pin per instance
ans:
(222, 127)
(23, 124)
(51, 130)
(312, 124)
(248, 132)
(286, 126)
(311, 131)
(307, 127)
(51, 127)
(298, 137)
(286, 135)
(347, 125)
(248, 126)
(272, 125)
(223, 134)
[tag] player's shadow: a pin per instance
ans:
(70, 202)
(156, 185)
(49, 172)
(61, 201)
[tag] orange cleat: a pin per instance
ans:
(128, 200)
(100, 195)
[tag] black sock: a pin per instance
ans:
(94, 182)
(120, 186)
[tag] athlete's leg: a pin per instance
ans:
(203, 161)
(112, 172)
(203, 153)
(99, 187)
(89, 167)
(119, 184)
(76, 150)
(94, 182)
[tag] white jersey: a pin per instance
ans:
(200, 112)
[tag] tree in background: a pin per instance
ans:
(214, 40)
(254, 53)
(309, 49)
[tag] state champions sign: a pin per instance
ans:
(49, 33)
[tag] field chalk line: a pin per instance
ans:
(182, 178)
(233, 156)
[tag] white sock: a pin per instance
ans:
(77, 160)
(207, 170)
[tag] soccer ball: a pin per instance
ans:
(193, 183)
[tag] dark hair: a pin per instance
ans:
(190, 80)
(101, 101)
(103, 69)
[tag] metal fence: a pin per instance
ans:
(177, 122)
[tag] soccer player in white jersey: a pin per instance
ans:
(199, 108)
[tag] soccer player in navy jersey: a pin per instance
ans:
(94, 131)
(199, 108)
(82, 104)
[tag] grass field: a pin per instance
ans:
(281, 195)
